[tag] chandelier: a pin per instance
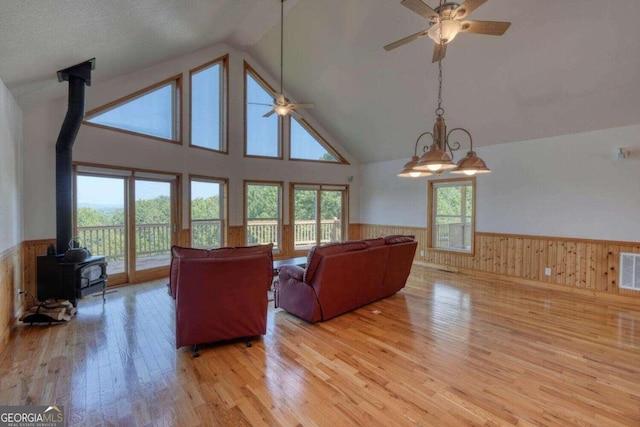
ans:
(438, 157)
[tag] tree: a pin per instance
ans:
(262, 201)
(90, 217)
(208, 208)
(153, 211)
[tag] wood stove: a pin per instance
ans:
(59, 279)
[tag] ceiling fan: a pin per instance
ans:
(446, 21)
(281, 104)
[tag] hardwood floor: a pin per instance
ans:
(447, 350)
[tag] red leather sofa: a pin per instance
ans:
(220, 294)
(341, 277)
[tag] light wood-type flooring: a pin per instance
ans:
(447, 350)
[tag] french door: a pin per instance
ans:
(318, 213)
(130, 218)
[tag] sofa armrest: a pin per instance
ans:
(287, 272)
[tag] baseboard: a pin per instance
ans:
(517, 281)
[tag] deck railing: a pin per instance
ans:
(453, 236)
(305, 232)
(155, 239)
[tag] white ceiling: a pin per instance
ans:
(563, 67)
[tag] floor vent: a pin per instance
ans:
(630, 271)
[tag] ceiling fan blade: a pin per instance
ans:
(420, 8)
(269, 113)
(439, 51)
(295, 114)
(492, 28)
(406, 40)
(466, 8)
(260, 103)
(305, 105)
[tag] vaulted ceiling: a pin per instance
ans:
(563, 67)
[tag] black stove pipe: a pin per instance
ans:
(78, 76)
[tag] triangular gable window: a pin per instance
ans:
(151, 112)
(307, 144)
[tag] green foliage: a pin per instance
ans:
(331, 204)
(208, 208)
(305, 204)
(327, 156)
(449, 208)
(153, 211)
(262, 201)
(89, 217)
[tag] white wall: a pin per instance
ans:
(113, 148)
(11, 139)
(565, 186)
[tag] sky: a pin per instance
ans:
(110, 190)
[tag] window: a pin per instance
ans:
(307, 144)
(263, 213)
(451, 214)
(208, 105)
(207, 213)
(152, 112)
(128, 216)
(262, 136)
(318, 214)
(100, 218)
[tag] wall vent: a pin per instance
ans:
(630, 271)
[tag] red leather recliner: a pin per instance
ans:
(220, 294)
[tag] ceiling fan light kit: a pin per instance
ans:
(438, 157)
(445, 30)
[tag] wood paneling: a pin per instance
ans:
(582, 264)
(10, 283)
(236, 235)
(367, 231)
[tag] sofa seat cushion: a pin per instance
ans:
(317, 252)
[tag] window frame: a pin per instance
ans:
(432, 204)
(320, 188)
(280, 185)
(224, 211)
(249, 70)
(340, 160)
(176, 108)
(224, 102)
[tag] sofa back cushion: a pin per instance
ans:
(317, 252)
(374, 243)
(178, 253)
(398, 238)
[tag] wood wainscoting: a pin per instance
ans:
(576, 264)
(10, 283)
